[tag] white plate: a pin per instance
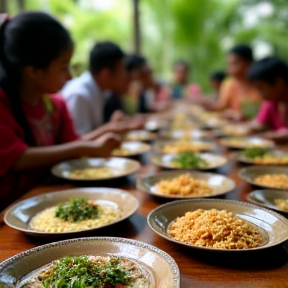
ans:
(219, 183)
(19, 215)
(120, 167)
(133, 148)
(163, 269)
(271, 224)
(166, 161)
(250, 173)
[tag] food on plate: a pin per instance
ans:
(183, 146)
(255, 152)
(91, 173)
(273, 180)
(189, 159)
(215, 229)
(235, 130)
(282, 204)
(246, 142)
(184, 185)
(75, 215)
(122, 152)
(139, 136)
(88, 271)
(265, 156)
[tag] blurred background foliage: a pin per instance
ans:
(199, 32)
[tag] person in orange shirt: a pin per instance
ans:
(237, 96)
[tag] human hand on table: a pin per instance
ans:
(103, 145)
(117, 116)
(279, 137)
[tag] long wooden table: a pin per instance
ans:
(267, 268)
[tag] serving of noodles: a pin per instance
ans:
(74, 216)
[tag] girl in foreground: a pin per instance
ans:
(35, 127)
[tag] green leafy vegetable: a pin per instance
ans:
(255, 152)
(81, 272)
(76, 210)
(189, 160)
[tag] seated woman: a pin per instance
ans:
(36, 128)
(237, 96)
(270, 77)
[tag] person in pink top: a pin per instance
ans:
(270, 77)
(35, 126)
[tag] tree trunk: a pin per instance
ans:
(3, 6)
(21, 5)
(136, 26)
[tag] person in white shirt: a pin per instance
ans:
(86, 95)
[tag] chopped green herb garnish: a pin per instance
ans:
(189, 160)
(81, 272)
(76, 210)
(255, 152)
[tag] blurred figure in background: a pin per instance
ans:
(270, 77)
(86, 95)
(216, 80)
(154, 96)
(146, 94)
(181, 88)
(237, 95)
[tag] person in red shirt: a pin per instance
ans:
(35, 127)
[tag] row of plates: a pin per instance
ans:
(163, 269)
(20, 214)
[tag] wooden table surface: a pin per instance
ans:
(267, 268)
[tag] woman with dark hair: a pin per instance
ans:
(237, 95)
(36, 128)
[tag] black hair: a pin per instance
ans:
(218, 76)
(182, 63)
(105, 55)
(268, 70)
(134, 61)
(243, 51)
(29, 39)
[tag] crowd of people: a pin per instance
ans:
(47, 117)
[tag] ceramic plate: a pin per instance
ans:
(169, 147)
(250, 173)
(267, 198)
(272, 225)
(166, 161)
(185, 134)
(215, 123)
(233, 131)
(161, 268)
(139, 135)
(131, 148)
(246, 142)
(219, 183)
(119, 167)
(20, 214)
(155, 124)
(277, 153)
